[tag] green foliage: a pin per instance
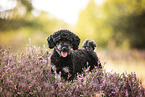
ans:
(91, 24)
(128, 20)
(17, 25)
(29, 74)
(116, 23)
(119, 22)
(16, 32)
(26, 3)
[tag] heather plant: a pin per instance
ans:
(29, 74)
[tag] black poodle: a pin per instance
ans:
(67, 58)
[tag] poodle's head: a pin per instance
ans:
(63, 41)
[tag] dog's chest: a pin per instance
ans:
(63, 64)
(66, 69)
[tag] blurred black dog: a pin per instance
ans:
(67, 58)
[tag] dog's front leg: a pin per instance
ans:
(74, 72)
(53, 71)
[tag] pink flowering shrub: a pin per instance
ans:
(29, 74)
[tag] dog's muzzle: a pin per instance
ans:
(64, 52)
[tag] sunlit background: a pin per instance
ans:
(117, 26)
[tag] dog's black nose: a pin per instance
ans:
(64, 49)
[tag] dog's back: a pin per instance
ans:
(90, 46)
(83, 59)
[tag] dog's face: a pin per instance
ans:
(63, 41)
(63, 48)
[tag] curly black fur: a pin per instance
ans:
(63, 35)
(67, 58)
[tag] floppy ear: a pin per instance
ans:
(50, 41)
(76, 42)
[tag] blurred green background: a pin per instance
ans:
(117, 26)
(114, 24)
